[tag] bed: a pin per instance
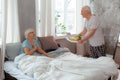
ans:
(66, 66)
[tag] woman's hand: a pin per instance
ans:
(35, 48)
(50, 56)
(43, 52)
(30, 52)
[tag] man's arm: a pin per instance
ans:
(89, 35)
(84, 31)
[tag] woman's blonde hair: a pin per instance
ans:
(28, 31)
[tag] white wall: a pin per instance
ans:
(109, 13)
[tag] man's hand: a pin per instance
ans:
(81, 41)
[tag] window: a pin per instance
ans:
(58, 17)
(67, 16)
(65, 11)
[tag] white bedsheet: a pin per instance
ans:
(67, 67)
(12, 69)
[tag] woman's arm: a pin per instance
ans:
(30, 52)
(43, 52)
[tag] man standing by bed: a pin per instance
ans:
(93, 33)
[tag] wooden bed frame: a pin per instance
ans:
(9, 77)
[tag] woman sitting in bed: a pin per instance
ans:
(31, 45)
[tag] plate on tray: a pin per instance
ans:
(72, 39)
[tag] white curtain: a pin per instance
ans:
(12, 21)
(47, 20)
(4, 25)
(10, 29)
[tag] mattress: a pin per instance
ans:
(12, 69)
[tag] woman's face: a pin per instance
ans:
(31, 35)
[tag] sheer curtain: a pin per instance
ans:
(10, 29)
(47, 20)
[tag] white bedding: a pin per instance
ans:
(12, 69)
(67, 67)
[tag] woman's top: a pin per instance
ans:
(27, 44)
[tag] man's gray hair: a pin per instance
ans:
(28, 31)
(86, 8)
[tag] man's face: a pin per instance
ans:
(84, 13)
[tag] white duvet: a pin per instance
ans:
(67, 67)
